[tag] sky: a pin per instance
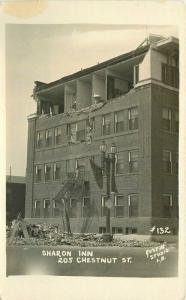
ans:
(49, 52)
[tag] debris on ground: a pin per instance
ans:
(51, 235)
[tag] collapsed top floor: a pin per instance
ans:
(156, 59)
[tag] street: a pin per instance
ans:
(92, 261)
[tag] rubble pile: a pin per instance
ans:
(51, 235)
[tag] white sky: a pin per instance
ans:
(47, 53)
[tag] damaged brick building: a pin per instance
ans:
(132, 101)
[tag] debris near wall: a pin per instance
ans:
(51, 235)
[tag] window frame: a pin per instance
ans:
(129, 205)
(45, 169)
(57, 135)
(167, 161)
(131, 169)
(116, 206)
(116, 121)
(54, 171)
(106, 129)
(49, 138)
(36, 173)
(136, 119)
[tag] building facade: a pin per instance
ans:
(132, 101)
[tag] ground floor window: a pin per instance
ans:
(131, 230)
(102, 229)
(117, 230)
(57, 208)
(46, 206)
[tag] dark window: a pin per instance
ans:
(133, 205)
(57, 171)
(48, 137)
(86, 207)
(70, 166)
(39, 139)
(38, 173)
(119, 163)
(131, 230)
(116, 230)
(102, 229)
(133, 118)
(73, 208)
(103, 206)
(133, 161)
(72, 132)
(170, 75)
(48, 172)
(58, 136)
(81, 131)
(177, 163)
(119, 121)
(110, 87)
(136, 74)
(166, 116)
(57, 208)
(46, 204)
(106, 125)
(119, 206)
(167, 205)
(176, 121)
(37, 208)
(167, 162)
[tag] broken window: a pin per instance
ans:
(46, 206)
(48, 172)
(38, 173)
(133, 161)
(119, 206)
(48, 137)
(133, 118)
(106, 124)
(166, 117)
(167, 205)
(58, 136)
(57, 171)
(133, 205)
(167, 162)
(39, 139)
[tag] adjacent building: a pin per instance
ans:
(132, 101)
(15, 197)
